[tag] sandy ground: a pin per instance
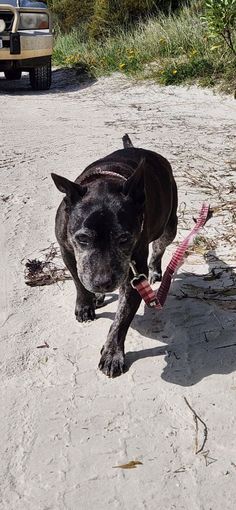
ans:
(64, 425)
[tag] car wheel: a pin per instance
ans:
(41, 77)
(13, 74)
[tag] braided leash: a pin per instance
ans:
(140, 282)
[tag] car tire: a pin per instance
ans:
(13, 74)
(41, 77)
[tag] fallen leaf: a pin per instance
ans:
(130, 465)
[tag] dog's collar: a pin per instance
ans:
(101, 173)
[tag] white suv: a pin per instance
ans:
(26, 41)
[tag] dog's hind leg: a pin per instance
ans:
(126, 141)
(159, 247)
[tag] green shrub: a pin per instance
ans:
(103, 16)
(220, 16)
(110, 14)
(185, 71)
(170, 49)
(71, 13)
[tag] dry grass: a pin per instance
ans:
(169, 49)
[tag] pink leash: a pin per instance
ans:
(140, 281)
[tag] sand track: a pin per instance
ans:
(64, 425)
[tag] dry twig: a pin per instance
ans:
(45, 272)
(197, 419)
(43, 345)
(208, 460)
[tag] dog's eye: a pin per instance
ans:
(83, 239)
(124, 238)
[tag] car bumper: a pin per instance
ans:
(32, 44)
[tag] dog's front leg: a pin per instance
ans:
(85, 300)
(112, 354)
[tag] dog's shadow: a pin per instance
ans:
(197, 326)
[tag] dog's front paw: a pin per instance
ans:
(84, 313)
(112, 362)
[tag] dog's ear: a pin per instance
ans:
(73, 190)
(134, 186)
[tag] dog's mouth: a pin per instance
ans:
(101, 289)
(104, 289)
(102, 285)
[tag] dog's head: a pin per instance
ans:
(104, 224)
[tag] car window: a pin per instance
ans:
(32, 3)
(25, 3)
(9, 2)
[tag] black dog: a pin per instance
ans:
(110, 214)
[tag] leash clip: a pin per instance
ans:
(141, 284)
(138, 277)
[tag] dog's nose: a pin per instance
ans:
(103, 283)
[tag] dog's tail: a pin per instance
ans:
(126, 141)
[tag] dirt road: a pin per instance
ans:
(64, 426)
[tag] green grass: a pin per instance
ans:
(169, 49)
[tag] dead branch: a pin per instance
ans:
(46, 278)
(197, 419)
(225, 346)
(45, 272)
